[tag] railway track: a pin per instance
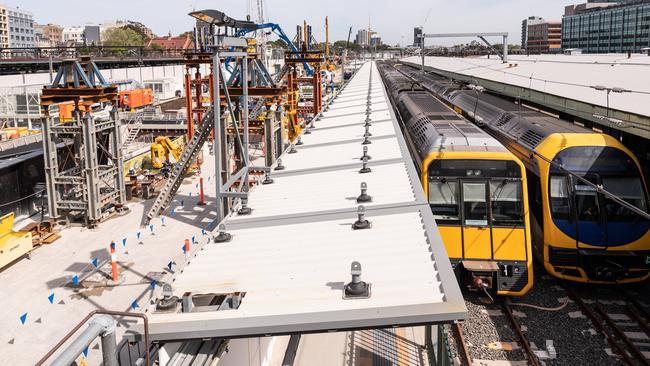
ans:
(623, 322)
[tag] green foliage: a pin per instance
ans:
(156, 47)
(123, 37)
(279, 43)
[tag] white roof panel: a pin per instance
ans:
(291, 256)
(563, 75)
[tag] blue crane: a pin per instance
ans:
(275, 28)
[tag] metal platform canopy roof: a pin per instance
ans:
(291, 255)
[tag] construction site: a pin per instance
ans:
(265, 196)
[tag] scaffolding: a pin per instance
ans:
(87, 184)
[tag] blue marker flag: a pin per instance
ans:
(23, 318)
(124, 242)
(134, 304)
(183, 249)
(151, 228)
(137, 235)
(173, 211)
(193, 241)
(51, 298)
(169, 265)
(86, 352)
(75, 280)
(153, 284)
(203, 232)
(94, 262)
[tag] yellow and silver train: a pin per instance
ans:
(578, 233)
(476, 189)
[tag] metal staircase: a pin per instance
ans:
(132, 134)
(176, 178)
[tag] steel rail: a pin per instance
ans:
(462, 343)
(594, 320)
(524, 340)
(621, 335)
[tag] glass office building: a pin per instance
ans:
(618, 28)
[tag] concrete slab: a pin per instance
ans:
(25, 286)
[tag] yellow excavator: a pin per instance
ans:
(161, 150)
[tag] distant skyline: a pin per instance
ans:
(393, 20)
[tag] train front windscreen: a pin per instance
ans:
(472, 192)
(582, 213)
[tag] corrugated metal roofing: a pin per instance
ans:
(292, 255)
(563, 75)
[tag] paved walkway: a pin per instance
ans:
(26, 286)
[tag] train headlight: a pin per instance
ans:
(477, 173)
(469, 173)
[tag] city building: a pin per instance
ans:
(92, 35)
(172, 43)
(362, 38)
(618, 27)
(417, 37)
(375, 40)
(49, 35)
(21, 28)
(4, 27)
(532, 20)
(73, 35)
(544, 37)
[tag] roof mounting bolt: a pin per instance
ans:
(299, 142)
(267, 178)
(168, 301)
(356, 289)
(366, 141)
(292, 150)
(367, 133)
(364, 197)
(365, 154)
(361, 222)
(223, 236)
(244, 209)
(279, 166)
(364, 167)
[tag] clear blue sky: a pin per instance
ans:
(393, 19)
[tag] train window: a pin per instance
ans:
(629, 189)
(560, 207)
(587, 203)
(443, 199)
(506, 202)
(475, 204)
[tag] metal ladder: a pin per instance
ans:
(176, 178)
(134, 129)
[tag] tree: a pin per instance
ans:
(123, 37)
(279, 44)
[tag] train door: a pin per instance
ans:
(477, 234)
(590, 225)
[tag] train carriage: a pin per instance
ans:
(476, 189)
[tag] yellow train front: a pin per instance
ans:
(578, 233)
(476, 189)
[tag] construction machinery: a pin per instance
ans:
(329, 62)
(162, 149)
(135, 98)
(13, 244)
